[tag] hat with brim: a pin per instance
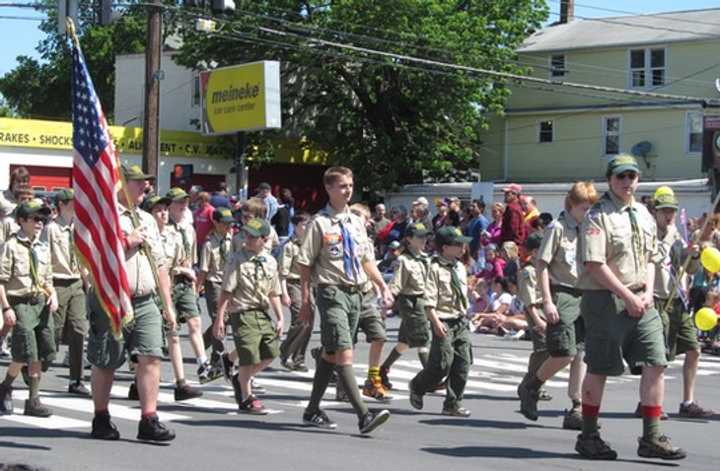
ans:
(450, 235)
(666, 201)
(177, 194)
(31, 208)
(417, 229)
(223, 215)
(513, 188)
(134, 172)
(153, 201)
(257, 227)
(65, 195)
(623, 163)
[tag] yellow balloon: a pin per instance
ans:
(710, 258)
(706, 319)
(664, 190)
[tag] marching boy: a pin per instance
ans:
(250, 285)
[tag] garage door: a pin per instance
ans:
(47, 178)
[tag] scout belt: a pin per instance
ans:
(31, 299)
(566, 289)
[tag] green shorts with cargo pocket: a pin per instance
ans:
(339, 309)
(566, 337)
(255, 337)
(414, 326)
(33, 337)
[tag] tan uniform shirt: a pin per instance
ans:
(8, 228)
(172, 248)
(216, 252)
(289, 269)
(322, 248)
(559, 250)
(140, 275)
(528, 287)
(606, 236)
(239, 240)
(410, 275)
(370, 251)
(672, 252)
(251, 279)
(60, 239)
(440, 294)
(188, 240)
(15, 266)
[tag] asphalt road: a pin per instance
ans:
(211, 435)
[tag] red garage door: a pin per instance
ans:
(47, 178)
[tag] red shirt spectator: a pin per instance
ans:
(513, 224)
(203, 218)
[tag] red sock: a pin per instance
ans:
(148, 415)
(589, 410)
(651, 411)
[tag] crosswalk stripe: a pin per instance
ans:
(55, 422)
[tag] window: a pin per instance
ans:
(196, 91)
(611, 134)
(693, 132)
(557, 65)
(647, 67)
(545, 131)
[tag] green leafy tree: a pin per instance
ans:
(392, 120)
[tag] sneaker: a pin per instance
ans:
(638, 412)
(207, 372)
(133, 394)
(227, 366)
(385, 380)
(257, 388)
(34, 408)
(457, 412)
(235, 381)
(518, 335)
(6, 404)
(373, 388)
(300, 366)
(185, 392)
(78, 388)
(528, 402)
(659, 447)
(103, 428)
(373, 420)
(416, 399)
(543, 395)
(287, 363)
(151, 429)
(594, 448)
(573, 420)
(694, 411)
(252, 405)
(318, 419)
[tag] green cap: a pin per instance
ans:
(533, 241)
(154, 200)
(417, 229)
(257, 227)
(623, 163)
(666, 201)
(134, 172)
(30, 208)
(65, 195)
(177, 194)
(223, 215)
(450, 235)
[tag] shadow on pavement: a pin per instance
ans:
(482, 423)
(23, 446)
(259, 425)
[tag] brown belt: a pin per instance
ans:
(31, 299)
(566, 289)
(65, 281)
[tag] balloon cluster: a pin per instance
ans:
(706, 318)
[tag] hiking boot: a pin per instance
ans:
(185, 392)
(659, 447)
(252, 405)
(638, 412)
(133, 394)
(457, 412)
(6, 404)
(207, 372)
(694, 411)
(373, 420)
(151, 429)
(594, 448)
(573, 420)
(79, 389)
(373, 388)
(34, 408)
(416, 399)
(543, 395)
(103, 428)
(528, 402)
(385, 380)
(318, 419)
(235, 381)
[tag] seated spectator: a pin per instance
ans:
(498, 318)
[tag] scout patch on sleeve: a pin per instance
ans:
(592, 231)
(332, 238)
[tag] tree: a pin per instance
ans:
(392, 120)
(41, 89)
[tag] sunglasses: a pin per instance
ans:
(628, 175)
(41, 219)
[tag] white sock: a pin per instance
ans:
(201, 360)
(686, 403)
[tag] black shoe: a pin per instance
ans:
(103, 428)
(373, 420)
(6, 404)
(208, 372)
(528, 402)
(79, 389)
(151, 429)
(288, 364)
(573, 420)
(457, 412)
(185, 392)
(416, 399)
(34, 408)
(659, 447)
(133, 394)
(319, 419)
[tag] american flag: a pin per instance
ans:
(98, 237)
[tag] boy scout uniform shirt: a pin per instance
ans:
(559, 250)
(239, 240)
(672, 251)
(137, 265)
(322, 248)
(289, 269)
(528, 286)
(410, 275)
(606, 236)
(15, 266)
(60, 239)
(370, 251)
(172, 249)
(215, 254)
(439, 293)
(251, 278)
(8, 228)
(188, 240)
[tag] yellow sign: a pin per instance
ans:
(241, 98)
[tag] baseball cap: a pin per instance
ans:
(177, 194)
(417, 229)
(30, 208)
(64, 195)
(623, 163)
(450, 235)
(134, 172)
(154, 200)
(513, 187)
(533, 241)
(422, 200)
(664, 197)
(257, 227)
(223, 215)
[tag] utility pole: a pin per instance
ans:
(151, 117)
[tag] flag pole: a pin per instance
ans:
(130, 203)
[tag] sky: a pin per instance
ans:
(20, 37)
